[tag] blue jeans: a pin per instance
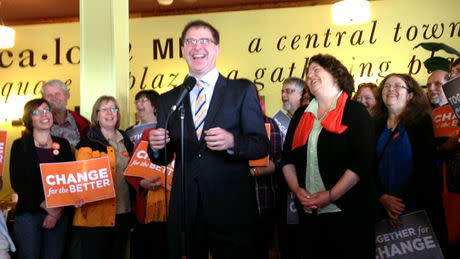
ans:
(34, 242)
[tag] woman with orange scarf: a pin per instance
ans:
(327, 162)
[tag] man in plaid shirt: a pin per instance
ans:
(266, 185)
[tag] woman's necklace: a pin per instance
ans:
(323, 115)
(44, 144)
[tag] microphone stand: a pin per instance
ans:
(183, 235)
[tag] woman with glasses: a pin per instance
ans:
(149, 207)
(327, 162)
(40, 231)
(405, 153)
(101, 228)
(367, 95)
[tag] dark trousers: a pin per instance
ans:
(289, 241)
(223, 241)
(102, 242)
(336, 235)
(265, 230)
(34, 242)
(149, 241)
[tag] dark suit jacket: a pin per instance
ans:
(220, 180)
(25, 171)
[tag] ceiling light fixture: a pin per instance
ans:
(6, 34)
(6, 37)
(165, 2)
(348, 12)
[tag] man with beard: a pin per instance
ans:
(448, 156)
(434, 86)
(67, 124)
(291, 94)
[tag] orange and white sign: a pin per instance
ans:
(67, 183)
(2, 150)
(445, 122)
(262, 161)
(140, 165)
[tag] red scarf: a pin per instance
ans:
(332, 123)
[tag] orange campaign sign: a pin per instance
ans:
(445, 122)
(140, 165)
(67, 183)
(2, 150)
(263, 161)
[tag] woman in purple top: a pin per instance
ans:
(40, 231)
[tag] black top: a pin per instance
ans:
(25, 171)
(424, 187)
(354, 149)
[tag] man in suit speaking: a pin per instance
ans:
(223, 130)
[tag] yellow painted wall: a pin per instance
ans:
(386, 42)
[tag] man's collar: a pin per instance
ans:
(67, 118)
(210, 78)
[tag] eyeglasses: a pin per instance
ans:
(106, 110)
(38, 112)
(142, 100)
(193, 42)
(288, 91)
(395, 86)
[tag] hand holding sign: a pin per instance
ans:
(140, 166)
(151, 183)
(452, 91)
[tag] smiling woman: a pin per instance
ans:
(405, 154)
(102, 226)
(34, 220)
(327, 163)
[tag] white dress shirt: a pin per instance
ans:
(209, 82)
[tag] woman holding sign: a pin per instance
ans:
(327, 157)
(40, 231)
(149, 207)
(405, 152)
(101, 228)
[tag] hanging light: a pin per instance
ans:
(6, 37)
(165, 2)
(6, 33)
(348, 12)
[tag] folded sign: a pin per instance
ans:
(141, 166)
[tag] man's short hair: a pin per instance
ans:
(202, 24)
(299, 83)
(54, 82)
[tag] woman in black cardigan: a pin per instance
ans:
(40, 232)
(328, 159)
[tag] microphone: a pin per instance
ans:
(188, 85)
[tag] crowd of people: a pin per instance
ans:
(346, 161)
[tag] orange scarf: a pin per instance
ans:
(332, 123)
